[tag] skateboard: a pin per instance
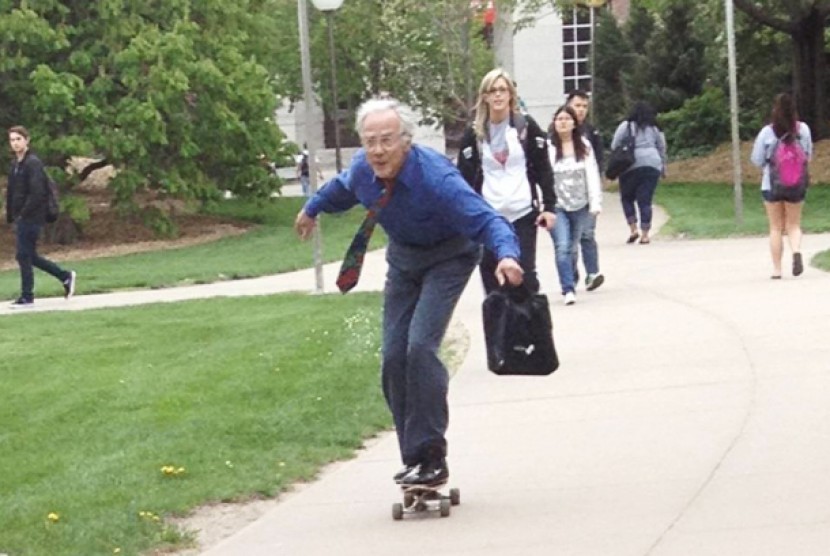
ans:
(423, 498)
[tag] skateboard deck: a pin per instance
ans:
(425, 498)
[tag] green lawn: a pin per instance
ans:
(699, 210)
(246, 395)
(272, 247)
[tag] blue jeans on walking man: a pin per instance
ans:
(26, 235)
(566, 233)
(588, 245)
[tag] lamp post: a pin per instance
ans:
(593, 5)
(733, 111)
(305, 57)
(328, 7)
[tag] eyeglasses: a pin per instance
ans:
(385, 142)
(498, 90)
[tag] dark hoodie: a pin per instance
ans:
(26, 193)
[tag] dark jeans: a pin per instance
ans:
(638, 186)
(421, 292)
(526, 230)
(27, 235)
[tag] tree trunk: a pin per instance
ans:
(809, 70)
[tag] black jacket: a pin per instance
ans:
(26, 192)
(534, 143)
(592, 135)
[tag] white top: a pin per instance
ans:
(505, 186)
(576, 182)
(765, 143)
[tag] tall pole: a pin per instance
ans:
(335, 112)
(593, 64)
(305, 56)
(733, 109)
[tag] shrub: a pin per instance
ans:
(699, 125)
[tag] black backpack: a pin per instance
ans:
(53, 206)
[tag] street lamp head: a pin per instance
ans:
(327, 5)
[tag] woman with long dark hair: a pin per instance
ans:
(639, 181)
(783, 208)
(26, 199)
(578, 197)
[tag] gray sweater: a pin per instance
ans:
(649, 146)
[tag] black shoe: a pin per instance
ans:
(69, 285)
(431, 473)
(22, 303)
(406, 470)
(798, 264)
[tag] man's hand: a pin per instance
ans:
(546, 220)
(509, 270)
(304, 225)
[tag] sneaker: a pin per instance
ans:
(593, 281)
(569, 298)
(22, 303)
(798, 264)
(406, 470)
(69, 285)
(431, 473)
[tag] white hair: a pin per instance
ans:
(375, 105)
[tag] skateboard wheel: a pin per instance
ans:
(397, 511)
(455, 496)
(445, 507)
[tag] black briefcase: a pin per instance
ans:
(519, 333)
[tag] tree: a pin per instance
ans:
(805, 22)
(177, 95)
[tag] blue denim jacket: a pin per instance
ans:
(431, 203)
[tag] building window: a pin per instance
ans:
(577, 26)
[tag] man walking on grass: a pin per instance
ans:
(436, 224)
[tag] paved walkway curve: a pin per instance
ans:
(690, 416)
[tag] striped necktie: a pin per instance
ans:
(353, 261)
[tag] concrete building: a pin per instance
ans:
(547, 59)
(552, 57)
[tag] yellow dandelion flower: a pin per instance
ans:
(53, 517)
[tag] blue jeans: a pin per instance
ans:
(305, 182)
(422, 288)
(26, 235)
(638, 186)
(566, 233)
(588, 245)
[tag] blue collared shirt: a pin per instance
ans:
(430, 204)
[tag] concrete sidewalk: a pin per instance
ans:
(689, 416)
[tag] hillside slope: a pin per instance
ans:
(717, 166)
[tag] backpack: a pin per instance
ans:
(53, 207)
(788, 172)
